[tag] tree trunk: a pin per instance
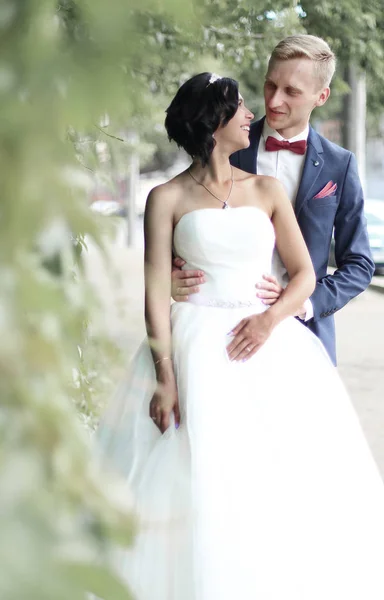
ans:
(354, 133)
(131, 199)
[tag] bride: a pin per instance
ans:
(250, 474)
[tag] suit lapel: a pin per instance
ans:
(312, 168)
(249, 155)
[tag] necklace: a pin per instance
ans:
(224, 202)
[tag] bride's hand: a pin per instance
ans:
(164, 401)
(250, 334)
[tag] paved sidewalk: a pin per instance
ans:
(119, 286)
(377, 284)
(360, 349)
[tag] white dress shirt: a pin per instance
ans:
(287, 167)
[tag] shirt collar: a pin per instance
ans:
(267, 130)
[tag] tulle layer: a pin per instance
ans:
(267, 491)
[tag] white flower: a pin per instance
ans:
(214, 77)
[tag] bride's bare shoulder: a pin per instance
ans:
(262, 181)
(272, 192)
(267, 183)
(242, 176)
(165, 196)
(169, 188)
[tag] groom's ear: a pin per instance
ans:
(323, 96)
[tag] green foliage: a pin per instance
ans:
(355, 30)
(243, 34)
(240, 34)
(62, 67)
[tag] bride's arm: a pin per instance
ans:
(294, 254)
(158, 231)
(251, 333)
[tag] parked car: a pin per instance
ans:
(109, 208)
(374, 212)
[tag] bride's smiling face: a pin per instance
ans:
(235, 135)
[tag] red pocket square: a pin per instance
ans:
(328, 190)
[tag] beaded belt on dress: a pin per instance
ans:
(218, 303)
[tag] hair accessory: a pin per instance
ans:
(214, 77)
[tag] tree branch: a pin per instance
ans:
(109, 134)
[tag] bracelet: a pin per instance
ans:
(160, 359)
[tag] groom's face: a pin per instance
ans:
(291, 92)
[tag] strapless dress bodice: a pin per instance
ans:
(233, 247)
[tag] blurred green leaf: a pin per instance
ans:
(98, 579)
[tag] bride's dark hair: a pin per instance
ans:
(198, 109)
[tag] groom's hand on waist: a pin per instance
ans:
(268, 290)
(186, 282)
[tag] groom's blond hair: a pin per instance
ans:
(311, 47)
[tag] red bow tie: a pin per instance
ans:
(272, 145)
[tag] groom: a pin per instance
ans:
(320, 178)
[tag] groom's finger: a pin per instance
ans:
(182, 293)
(269, 301)
(188, 274)
(271, 278)
(267, 294)
(268, 286)
(191, 281)
(178, 262)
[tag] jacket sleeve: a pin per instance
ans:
(355, 266)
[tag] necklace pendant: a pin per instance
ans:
(224, 202)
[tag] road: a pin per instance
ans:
(360, 331)
(360, 347)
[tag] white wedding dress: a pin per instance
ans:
(267, 491)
